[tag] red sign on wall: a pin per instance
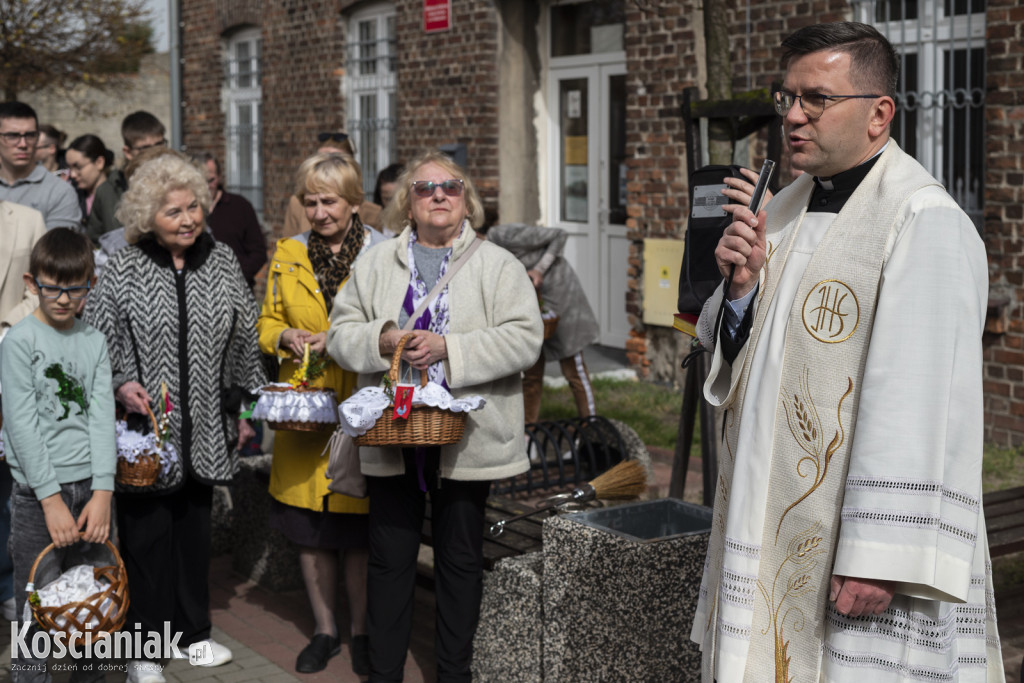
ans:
(437, 15)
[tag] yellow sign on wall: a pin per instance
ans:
(662, 260)
(575, 150)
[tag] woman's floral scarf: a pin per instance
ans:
(435, 316)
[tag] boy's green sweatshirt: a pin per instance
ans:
(58, 406)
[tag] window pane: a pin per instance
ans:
(895, 10)
(904, 124)
(367, 47)
(957, 7)
(617, 150)
(572, 97)
(587, 28)
(368, 128)
(244, 66)
(963, 114)
(392, 46)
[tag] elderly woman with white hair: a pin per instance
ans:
(176, 310)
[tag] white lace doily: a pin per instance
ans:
(131, 444)
(74, 585)
(295, 406)
(361, 411)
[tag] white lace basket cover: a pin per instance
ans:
(75, 585)
(360, 412)
(277, 405)
(132, 444)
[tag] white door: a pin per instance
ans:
(588, 193)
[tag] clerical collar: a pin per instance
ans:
(830, 194)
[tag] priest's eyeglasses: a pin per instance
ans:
(56, 291)
(813, 104)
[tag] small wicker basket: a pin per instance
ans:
(146, 467)
(550, 325)
(425, 426)
(109, 617)
(298, 425)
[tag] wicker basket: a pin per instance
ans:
(145, 469)
(550, 325)
(297, 425)
(425, 426)
(77, 614)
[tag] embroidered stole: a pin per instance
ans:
(827, 339)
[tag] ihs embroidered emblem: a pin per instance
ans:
(831, 312)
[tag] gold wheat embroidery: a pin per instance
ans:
(801, 559)
(805, 426)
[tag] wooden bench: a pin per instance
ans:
(1004, 518)
(519, 537)
(566, 454)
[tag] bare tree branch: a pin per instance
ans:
(64, 43)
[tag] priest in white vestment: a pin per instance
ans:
(848, 537)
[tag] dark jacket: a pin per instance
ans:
(233, 221)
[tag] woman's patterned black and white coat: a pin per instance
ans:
(196, 331)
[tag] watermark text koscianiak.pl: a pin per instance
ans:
(120, 645)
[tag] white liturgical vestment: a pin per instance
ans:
(894, 426)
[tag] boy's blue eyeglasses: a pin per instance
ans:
(55, 292)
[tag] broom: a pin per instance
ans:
(626, 480)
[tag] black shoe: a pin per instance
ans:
(361, 655)
(314, 656)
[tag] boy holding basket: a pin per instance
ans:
(58, 425)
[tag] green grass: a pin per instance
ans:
(1002, 468)
(652, 410)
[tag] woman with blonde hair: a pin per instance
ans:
(176, 311)
(474, 338)
(307, 271)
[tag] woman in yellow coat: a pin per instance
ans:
(306, 273)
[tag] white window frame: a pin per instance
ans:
(241, 97)
(370, 88)
(932, 36)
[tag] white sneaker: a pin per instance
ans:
(216, 654)
(144, 671)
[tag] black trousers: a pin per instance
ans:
(396, 520)
(165, 545)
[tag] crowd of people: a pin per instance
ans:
(879, 564)
(139, 292)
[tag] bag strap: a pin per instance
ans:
(449, 274)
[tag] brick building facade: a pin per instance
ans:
(490, 83)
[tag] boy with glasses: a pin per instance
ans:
(22, 180)
(58, 428)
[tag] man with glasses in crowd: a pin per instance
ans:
(848, 538)
(22, 180)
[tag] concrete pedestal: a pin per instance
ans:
(610, 598)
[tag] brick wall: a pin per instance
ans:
(660, 64)
(1004, 223)
(448, 87)
(662, 59)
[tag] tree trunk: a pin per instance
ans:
(719, 65)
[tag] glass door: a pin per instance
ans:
(588, 151)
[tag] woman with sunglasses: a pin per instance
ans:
(475, 337)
